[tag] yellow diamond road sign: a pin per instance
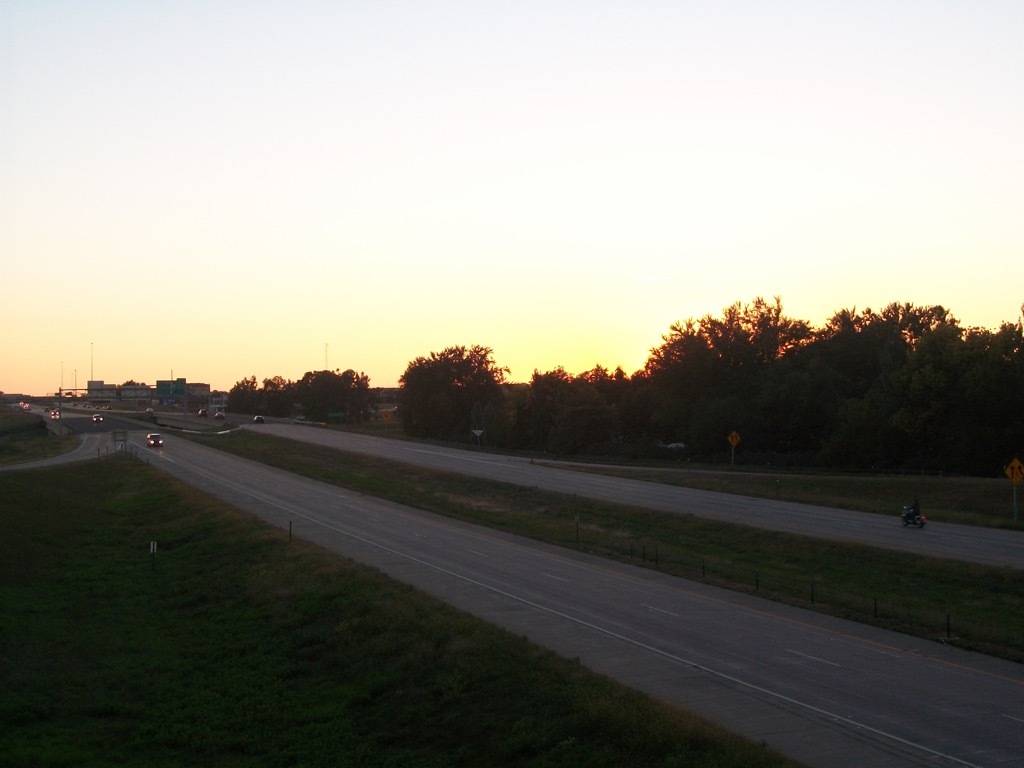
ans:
(1015, 471)
(734, 438)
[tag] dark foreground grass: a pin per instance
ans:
(232, 646)
(976, 607)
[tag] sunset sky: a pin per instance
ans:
(213, 191)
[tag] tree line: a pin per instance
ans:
(903, 389)
(318, 396)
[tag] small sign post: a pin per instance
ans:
(734, 439)
(1015, 471)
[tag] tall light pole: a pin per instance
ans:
(92, 377)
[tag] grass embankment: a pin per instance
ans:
(973, 606)
(24, 437)
(232, 646)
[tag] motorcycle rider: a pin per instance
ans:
(912, 511)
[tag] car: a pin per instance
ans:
(202, 412)
(54, 414)
(149, 410)
(97, 417)
(154, 440)
(219, 415)
(257, 419)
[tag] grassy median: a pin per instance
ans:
(231, 646)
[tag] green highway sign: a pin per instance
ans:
(168, 388)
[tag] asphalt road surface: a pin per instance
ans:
(827, 692)
(987, 546)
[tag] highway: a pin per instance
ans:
(987, 546)
(827, 692)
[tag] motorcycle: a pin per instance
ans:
(910, 516)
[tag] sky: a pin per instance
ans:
(213, 191)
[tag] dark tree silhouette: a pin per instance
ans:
(438, 394)
(321, 393)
